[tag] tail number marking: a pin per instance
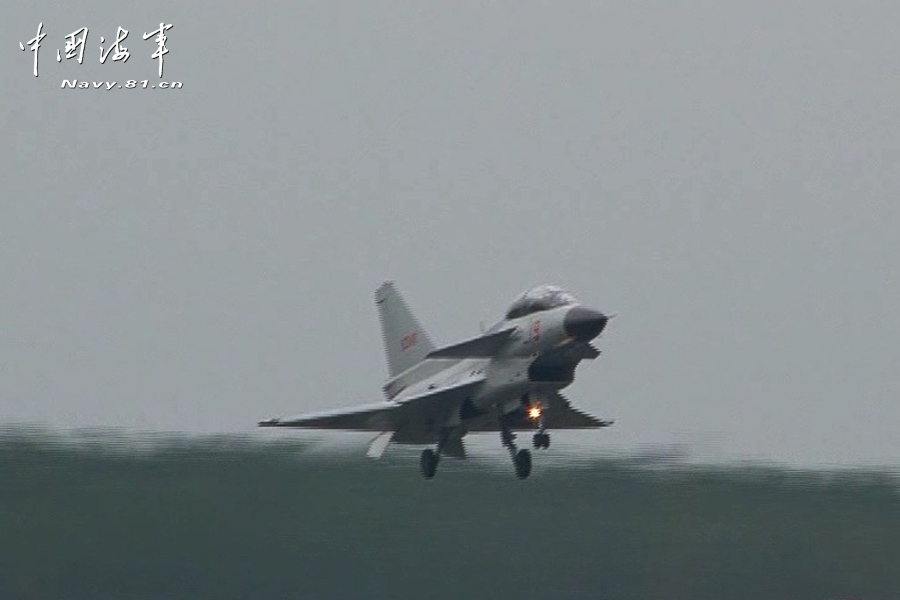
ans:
(535, 331)
(408, 341)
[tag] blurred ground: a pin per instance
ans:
(107, 515)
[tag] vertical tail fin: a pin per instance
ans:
(405, 341)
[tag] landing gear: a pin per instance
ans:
(522, 463)
(429, 463)
(521, 458)
(541, 437)
(541, 440)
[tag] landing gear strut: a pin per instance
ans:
(541, 438)
(429, 460)
(522, 463)
(521, 458)
(429, 463)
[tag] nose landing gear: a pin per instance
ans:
(541, 440)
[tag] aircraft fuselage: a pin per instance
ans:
(515, 371)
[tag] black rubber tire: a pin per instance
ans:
(538, 440)
(428, 463)
(522, 463)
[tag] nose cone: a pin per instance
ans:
(583, 323)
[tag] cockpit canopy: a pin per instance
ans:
(543, 297)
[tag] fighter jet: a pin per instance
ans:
(505, 380)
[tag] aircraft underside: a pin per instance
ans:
(506, 423)
(522, 414)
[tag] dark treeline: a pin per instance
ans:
(230, 518)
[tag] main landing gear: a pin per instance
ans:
(521, 458)
(429, 462)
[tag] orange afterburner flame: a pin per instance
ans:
(534, 413)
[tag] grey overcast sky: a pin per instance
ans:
(723, 175)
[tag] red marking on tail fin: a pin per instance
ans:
(408, 341)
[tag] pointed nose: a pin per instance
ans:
(583, 323)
